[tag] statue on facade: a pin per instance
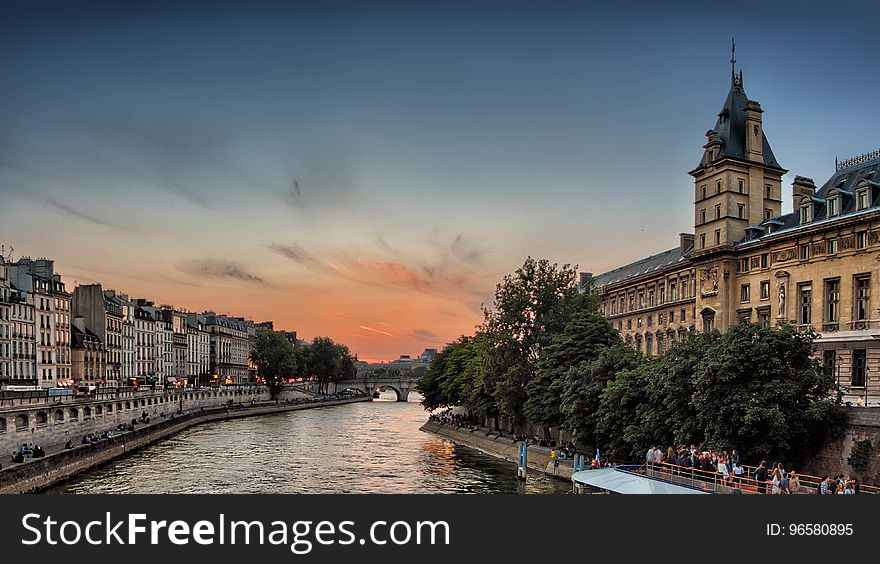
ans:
(781, 299)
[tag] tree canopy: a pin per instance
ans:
(544, 356)
(276, 359)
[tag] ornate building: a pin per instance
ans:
(814, 267)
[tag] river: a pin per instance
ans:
(355, 448)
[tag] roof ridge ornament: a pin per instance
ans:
(859, 159)
(733, 58)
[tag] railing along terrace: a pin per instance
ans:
(711, 480)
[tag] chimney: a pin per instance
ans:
(585, 280)
(802, 188)
(685, 241)
(754, 134)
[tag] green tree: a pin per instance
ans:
(530, 307)
(330, 362)
(275, 358)
(583, 387)
(760, 390)
(582, 341)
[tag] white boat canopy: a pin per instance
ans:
(623, 482)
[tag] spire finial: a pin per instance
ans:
(732, 57)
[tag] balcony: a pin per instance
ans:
(830, 327)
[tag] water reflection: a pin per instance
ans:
(357, 448)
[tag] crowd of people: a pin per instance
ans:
(771, 479)
(27, 450)
(449, 417)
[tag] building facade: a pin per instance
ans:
(102, 315)
(88, 362)
(229, 348)
(5, 329)
(814, 267)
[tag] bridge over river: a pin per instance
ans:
(401, 384)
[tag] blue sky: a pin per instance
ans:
(334, 167)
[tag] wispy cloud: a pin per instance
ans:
(423, 335)
(64, 208)
(377, 331)
(222, 269)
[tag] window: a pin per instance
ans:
(717, 236)
(765, 289)
(703, 191)
(745, 293)
(862, 199)
(764, 317)
(804, 252)
(768, 213)
(765, 260)
(806, 216)
(744, 265)
(702, 216)
(662, 294)
(672, 295)
(672, 317)
(717, 186)
(863, 297)
(832, 300)
(832, 246)
(858, 370)
(741, 211)
(861, 239)
(805, 303)
(708, 322)
(741, 185)
(833, 208)
(717, 211)
(768, 191)
(702, 240)
(639, 322)
(829, 359)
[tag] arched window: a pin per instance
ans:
(21, 422)
(2, 425)
(74, 414)
(42, 418)
(87, 412)
(100, 410)
(128, 405)
(58, 416)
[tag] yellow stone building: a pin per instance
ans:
(746, 260)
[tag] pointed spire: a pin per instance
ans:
(732, 58)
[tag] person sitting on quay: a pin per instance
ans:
(38, 452)
(17, 457)
(68, 444)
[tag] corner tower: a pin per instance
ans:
(738, 182)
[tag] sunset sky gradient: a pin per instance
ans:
(370, 174)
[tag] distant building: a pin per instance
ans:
(102, 315)
(87, 355)
(230, 341)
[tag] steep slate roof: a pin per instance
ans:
(731, 126)
(644, 266)
(843, 181)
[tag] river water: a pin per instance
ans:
(355, 448)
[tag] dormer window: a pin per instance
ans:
(862, 199)
(833, 206)
(806, 213)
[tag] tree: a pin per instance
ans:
(583, 386)
(760, 390)
(275, 358)
(582, 341)
(755, 389)
(330, 362)
(531, 306)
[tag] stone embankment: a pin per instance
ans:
(41, 473)
(501, 446)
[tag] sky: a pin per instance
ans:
(370, 173)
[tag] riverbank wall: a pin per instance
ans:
(501, 446)
(39, 474)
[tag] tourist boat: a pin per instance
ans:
(626, 480)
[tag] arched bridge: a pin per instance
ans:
(402, 385)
